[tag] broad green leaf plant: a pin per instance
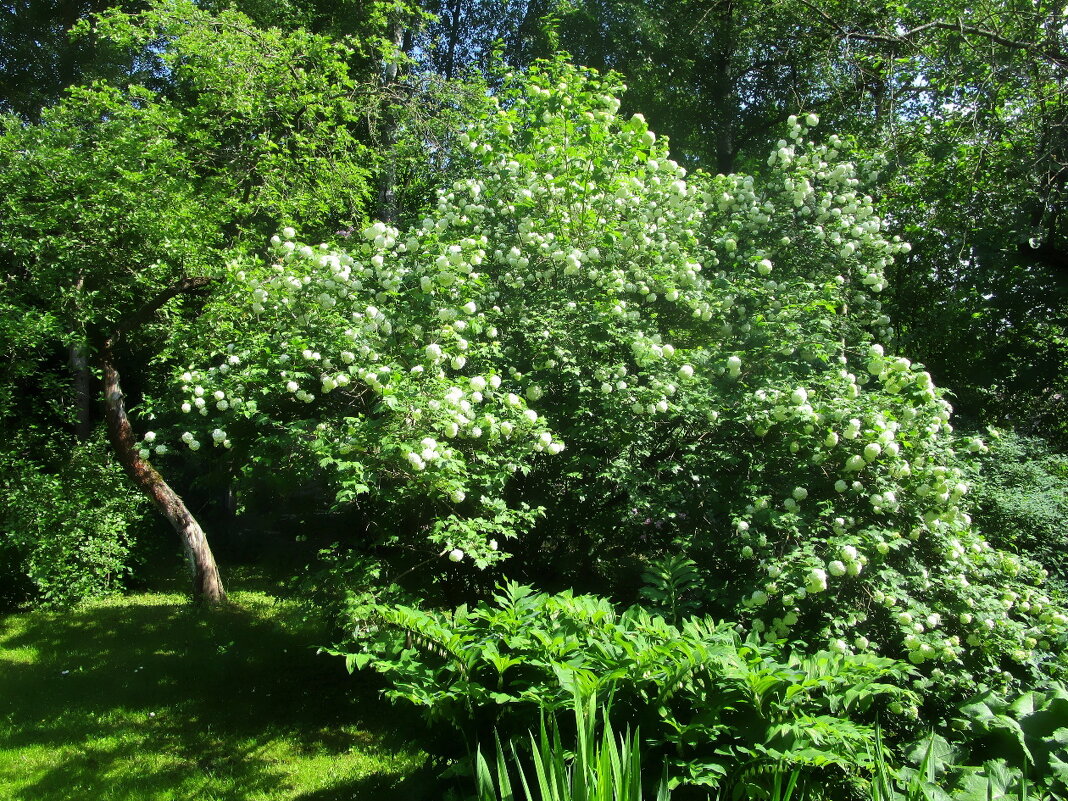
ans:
(718, 711)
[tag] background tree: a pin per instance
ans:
(978, 179)
(125, 198)
(38, 57)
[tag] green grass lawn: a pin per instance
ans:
(146, 697)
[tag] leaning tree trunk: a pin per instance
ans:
(207, 585)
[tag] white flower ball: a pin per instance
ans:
(816, 581)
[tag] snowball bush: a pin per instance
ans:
(658, 359)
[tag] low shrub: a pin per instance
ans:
(66, 534)
(717, 710)
(1021, 499)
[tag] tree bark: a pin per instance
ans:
(724, 103)
(79, 367)
(400, 37)
(454, 36)
(207, 584)
(78, 359)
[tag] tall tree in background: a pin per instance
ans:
(716, 77)
(38, 57)
(980, 141)
(126, 198)
(462, 35)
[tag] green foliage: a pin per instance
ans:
(717, 710)
(599, 769)
(717, 80)
(1028, 732)
(66, 534)
(76, 187)
(27, 339)
(250, 126)
(38, 57)
(223, 125)
(940, 776)
(1011, 749)
(1021, 500)
(977, 182)
(672, 587)
(691, 360)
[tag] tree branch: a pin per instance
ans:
(1052, 56)
(144, 314)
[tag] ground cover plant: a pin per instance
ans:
(713, 709)
(144, 697)
(602, 767)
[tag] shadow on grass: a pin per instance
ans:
(152, 698)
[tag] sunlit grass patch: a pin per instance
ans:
(147, 697)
